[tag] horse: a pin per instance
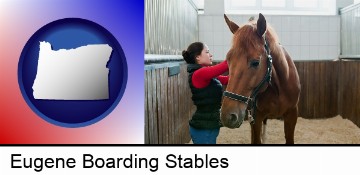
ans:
(263, 81)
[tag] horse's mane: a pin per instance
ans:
(246, 38)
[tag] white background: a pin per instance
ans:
(241, 159)
(304, 37)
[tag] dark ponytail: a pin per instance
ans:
(192, 52)
(186, 57)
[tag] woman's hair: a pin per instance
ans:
(192, 52)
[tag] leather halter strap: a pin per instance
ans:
(237, 97)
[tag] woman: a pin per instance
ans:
(206, 86)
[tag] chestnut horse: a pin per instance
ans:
(263, 81)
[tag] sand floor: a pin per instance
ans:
(335, 130)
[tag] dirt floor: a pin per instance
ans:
(334, 130)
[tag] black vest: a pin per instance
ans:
(207, 101)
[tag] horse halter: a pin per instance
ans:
(251, 101)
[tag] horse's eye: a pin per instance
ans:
(254, 63)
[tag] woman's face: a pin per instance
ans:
(205, 58)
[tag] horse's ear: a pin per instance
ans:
(261, 25)
(232, 26)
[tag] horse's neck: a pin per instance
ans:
(280, 64)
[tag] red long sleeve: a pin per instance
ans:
(201, 77)
(223, 79)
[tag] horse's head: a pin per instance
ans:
(248, 65)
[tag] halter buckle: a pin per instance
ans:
(250, 117)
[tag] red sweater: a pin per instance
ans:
(201, 77)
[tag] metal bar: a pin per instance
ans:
(350, 25)
(349, 56)
(171, 25)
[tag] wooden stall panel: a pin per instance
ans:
(168, 106)
(319, 88)
(349, 93)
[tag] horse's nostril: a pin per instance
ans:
(233, 117)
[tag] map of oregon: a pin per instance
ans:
(72, 74)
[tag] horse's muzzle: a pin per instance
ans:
(233, 120)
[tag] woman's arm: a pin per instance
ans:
(201, 77)
(223, 79)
